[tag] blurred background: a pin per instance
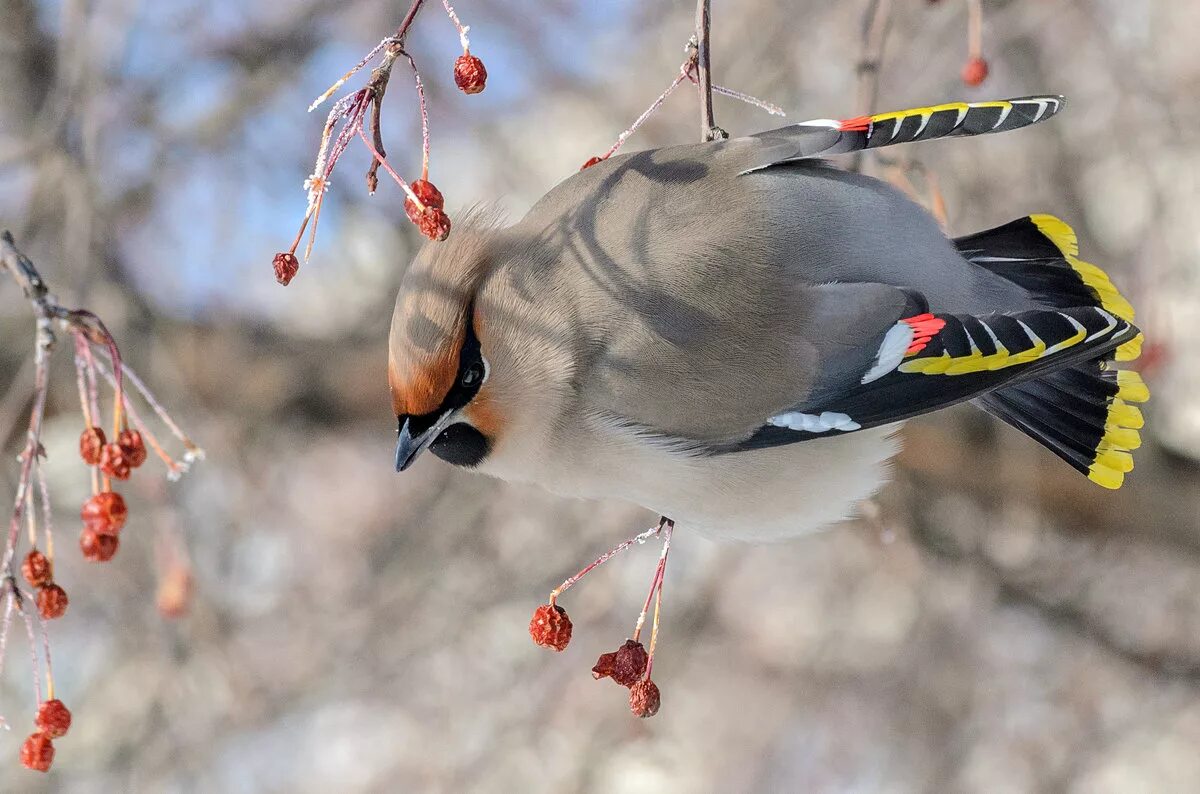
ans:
(998, 624)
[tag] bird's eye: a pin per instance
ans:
(472, 375)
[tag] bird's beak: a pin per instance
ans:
(408, 446)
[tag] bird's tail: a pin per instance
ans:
(1084, 413)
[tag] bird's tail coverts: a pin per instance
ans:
(954, 119)
(1041, 254)
(1084, 414)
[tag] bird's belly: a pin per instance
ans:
(759, 495)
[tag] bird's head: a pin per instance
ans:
(437, 369)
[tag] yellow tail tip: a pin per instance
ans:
(1131, 388)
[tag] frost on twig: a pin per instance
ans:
(347, 119)
(110, 457)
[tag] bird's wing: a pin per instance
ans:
(929, 361)
(825, 137)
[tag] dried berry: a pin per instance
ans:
(53, 718)
(469, 74)
(37, 753)
(52, 601)
(429, 196)
(974, 71)
(550, 627)
(36, 568)
(114, 462)
(97, 547)
(130, 442)
(286, 265)
(630, 663)
(105, 513)
(434, 224)
(591, 163)
(91, 441)
(644, 698)
(604, 665)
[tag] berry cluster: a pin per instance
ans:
(109, 457)
(629, 665)
(423, 203)
(53, 720)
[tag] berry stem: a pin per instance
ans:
(658, 605)
(655, 105)
(603, 558)
(424, 112)
(387, 167)
(27, 602)
(975, 28)
(667, 525)
(47, 518)
(333, 89)
(462, 29)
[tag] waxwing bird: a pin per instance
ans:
(729, 333)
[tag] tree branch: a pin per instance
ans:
(709, 131)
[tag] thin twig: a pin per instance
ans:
(709, 131)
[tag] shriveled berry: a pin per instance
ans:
(469, 74)
(36, 568)
(105, 513)
(604, 665)
(114, 462)
(430, 197)
(434, 224)
(286, 266)
(974, 71)
(644, 698)
(37, 753)
(591, 162)
(550, 627)
(630, 663)
(53, 718)
(97, 547)
(52, 601)
(91, 441)
(131, 443)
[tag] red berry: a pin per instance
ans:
(114, 462)
(105, 513)
(36, 568)
(469, 74)
(434, 224)
(91, 441)
(132, 445)
(644, 698)
(97, 547)
(550, 627)
(630, 663)
(37, 753)
(52, 601)
(53, 718)
(974, 71)
(286, 265)
(604, 666)
(429, 195)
